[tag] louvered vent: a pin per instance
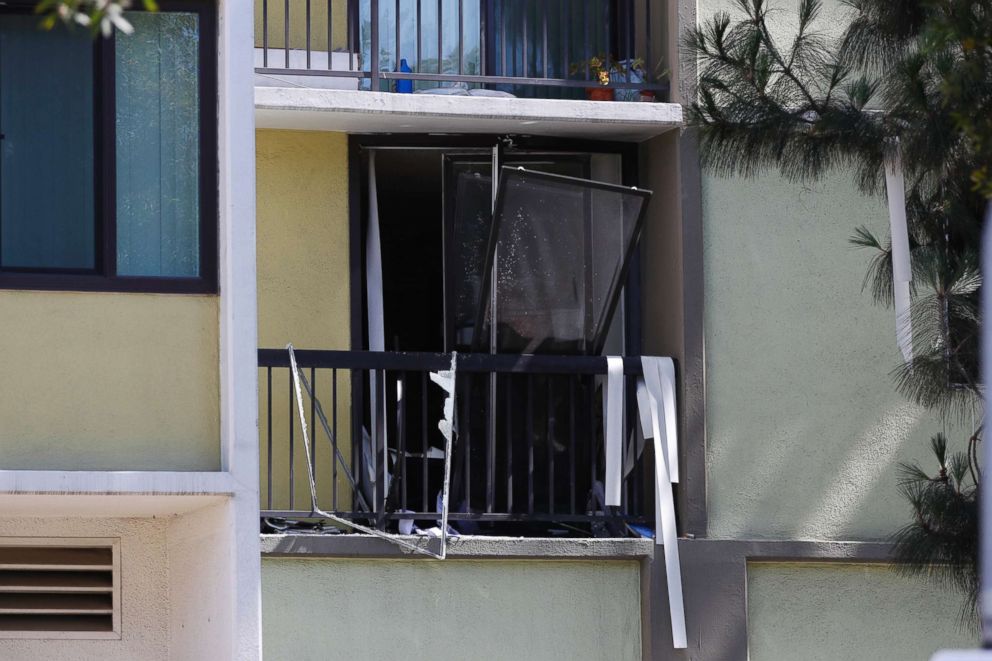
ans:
(58, 588)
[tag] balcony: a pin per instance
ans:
(563, 49)
(528, 454)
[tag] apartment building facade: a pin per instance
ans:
(398, 189)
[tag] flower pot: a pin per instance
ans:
(599, 93)
(647, 96)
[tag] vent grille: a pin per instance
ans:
(59, 588)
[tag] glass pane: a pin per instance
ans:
(46, 167)
(158, 146)
(468, 206)
(560, 249)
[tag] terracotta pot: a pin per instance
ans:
(600, 93)
(647, 96)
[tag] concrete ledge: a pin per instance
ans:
(171, 483)
(466, 547)
(384, 112)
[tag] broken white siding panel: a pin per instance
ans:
(375, 112)
(902, 270)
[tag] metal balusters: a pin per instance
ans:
(544, 37)
(571, 443)
(440, 40)
(509, 442)
(308, 32)
(541, 398)
(334, 440)
(330, 36)
(268, 421)
(374, 54)
(285, 31)
(419, 36)
(401, 397)
(313, 424)
(530, 443)
(461, 38)
(490, 444)
(292, 465)
(265, 33)
(549, 440)
(537, 53)
(425, 446)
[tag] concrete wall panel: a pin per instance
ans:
(390, 609)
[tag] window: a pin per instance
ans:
(108, 154)
(434, 216)
(59, 588)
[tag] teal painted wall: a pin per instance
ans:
(422, 609)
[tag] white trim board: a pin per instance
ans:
(116, 482)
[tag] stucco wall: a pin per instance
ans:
(276, 32)
(98, 381)
(412, 609)
(804, 427)
(829, 612)
(303, 288)
(144, 590)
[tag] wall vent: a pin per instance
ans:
(59, 587)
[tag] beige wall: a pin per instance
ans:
(144, 591)
(100, 381)
(303, 288)
(420, 609)
(298, 27)
(826, 612)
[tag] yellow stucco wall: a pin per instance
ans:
(276, 28)
(303, 296)
(102, 381)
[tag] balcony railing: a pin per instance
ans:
(527, 457)
(542, 48)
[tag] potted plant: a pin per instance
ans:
(603, 69)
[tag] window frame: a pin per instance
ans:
(104, 276)
(629, 153)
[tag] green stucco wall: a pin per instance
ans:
(804, 427)
(456, 609)
(829, 612)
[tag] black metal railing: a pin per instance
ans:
(527, 457)
(526, 47)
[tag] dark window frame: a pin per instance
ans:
(104, 276)
(630, 176)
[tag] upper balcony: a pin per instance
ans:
(314, 55)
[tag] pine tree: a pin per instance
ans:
(907, 75)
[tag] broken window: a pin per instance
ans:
(551, 262)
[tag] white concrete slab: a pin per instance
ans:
(384, 112)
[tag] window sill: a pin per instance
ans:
(99, 283)
(466, 547)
